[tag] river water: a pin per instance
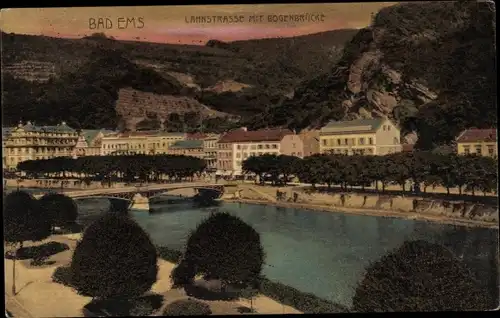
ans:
(323, 253)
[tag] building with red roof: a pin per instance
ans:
(237, 145)
(482, 142)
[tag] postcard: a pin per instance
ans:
(172, 160)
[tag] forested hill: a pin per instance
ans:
(82, 77)
(431, 66)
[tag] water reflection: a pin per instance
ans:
(326, 253)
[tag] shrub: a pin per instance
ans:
(226, 248)
(62, 210)
(183, 274)
(168, 254)
(114, 259)
(187, 307)
(62, 275)
(419, 276)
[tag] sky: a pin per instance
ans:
(178, 24)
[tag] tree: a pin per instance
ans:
(60, 208)
(419, 276)
(114, 259)
(23, 221)
(226, 248)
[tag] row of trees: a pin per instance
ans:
(422, 168)
(112, 168)
(225, 248)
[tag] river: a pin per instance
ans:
(323, 253)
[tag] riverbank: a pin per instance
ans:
(453, 213)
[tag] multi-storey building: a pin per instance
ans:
(188, 148)
(310, 139)
(89, 143)
(236, 146)
(139, 142)
(210, 149)
(482, 142)
(31, 142)
(377, 136)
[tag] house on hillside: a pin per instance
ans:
(237, 145)
(482, 142)
(378, 136)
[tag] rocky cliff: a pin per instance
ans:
(429, 66)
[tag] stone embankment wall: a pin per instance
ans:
(410, 204)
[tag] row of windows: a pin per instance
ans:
(479, 149)
(254, 147)
(15, 151)
(260, 153)
(347, 141)
(386, 127)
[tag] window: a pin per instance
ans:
(361, 141)
(238, 155)
(396, 141)
(388, 127)
(491, 150)
(466, 150)
(259, 147)
(275, 146)
(245, 155)
(478, 149)
(383, 127)
(253, 147)
(339, 142)
(370, 141)
(324, 142)
(293, 145)
(268, 146)
(238, 147)
(345, 141)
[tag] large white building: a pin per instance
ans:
(236, 146)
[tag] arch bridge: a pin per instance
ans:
(128, 197)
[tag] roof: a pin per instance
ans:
(187, 144)
(477, 135)
(353, 126)
(196, 135)
(241, 135)
(62, 127)
(6, 131)
(90, 134)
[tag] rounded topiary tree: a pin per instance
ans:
(419, 276)
(187, 307)
(62, 210)
(23, 221)
(226, 248)
(115, 259)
